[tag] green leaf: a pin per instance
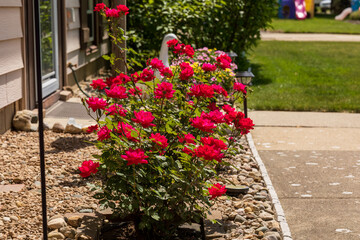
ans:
(155, 216)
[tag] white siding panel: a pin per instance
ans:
(10, 3)
(104, 48)
(73, 40)
(13, 86)
(3, 97)
(10, 56)
(75, 24)
(10, 23)
(72, 3)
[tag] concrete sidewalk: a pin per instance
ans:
(309, 37)
(313, 160)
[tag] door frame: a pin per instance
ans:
(30, 78)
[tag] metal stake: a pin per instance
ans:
(40, 114)
(245, 105)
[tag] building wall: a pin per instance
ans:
(11, 60)
(75, 54)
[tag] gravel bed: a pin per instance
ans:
(66, 191)
(248, 216)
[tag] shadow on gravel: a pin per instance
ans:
(69, 144)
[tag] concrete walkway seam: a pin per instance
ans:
(274, 198)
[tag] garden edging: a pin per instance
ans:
(273, 195)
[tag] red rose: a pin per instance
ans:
(214, 116)
(179, 49)
(202, 90)
(239, 87)
(116, 109)
(207, 67)
(186, 71)
(136, 156)
(121, 79)
(156, 63)
(159, 139)
(98, 7)
(135, 77)
(118, 92)
(217, 190)
(88, 167)
(164, 90)
(125, 130)
(172, 43)
(166, 72)
(136, 91)
(209, 153)
(188, 138)
(123, 9)
(92, 128)
(220, 90)
(202, 124)
(96, 103)
(244, 124)
(189, 51)
(216, 143)
(224, 61)
(98, 84)
(144, 118)
(147, 75)
(103, 133)
(112, 13)
(212, 106)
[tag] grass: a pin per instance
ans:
(306, 76)
(318, 24)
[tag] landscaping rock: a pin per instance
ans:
(56, 223)
(56, 235)
(272, 236)
(74, 221)
(22, 120)
(68, 232)
(58, 128)
(73, 127)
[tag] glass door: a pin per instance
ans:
(49, 47)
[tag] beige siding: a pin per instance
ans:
(11, 60)
(73, 40)
(72, 3)
(10, 23)
(3, 92)
(10, 3)
(13, 86)
(76, 24)
(10, 87)
(10, 55)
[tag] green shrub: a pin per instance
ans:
(226, 25)
(355, 15)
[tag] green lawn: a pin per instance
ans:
(310, 76)
(318, 24)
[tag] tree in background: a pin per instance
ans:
(225, 25)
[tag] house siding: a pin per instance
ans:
(75, 54)
(11, 60)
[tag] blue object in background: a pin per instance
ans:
(287, 9)
(355, 4)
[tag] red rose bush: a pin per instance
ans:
(163, 138)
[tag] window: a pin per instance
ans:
(90, 19)
(91, 27)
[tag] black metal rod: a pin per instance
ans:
(245, 105)
(40, 114)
